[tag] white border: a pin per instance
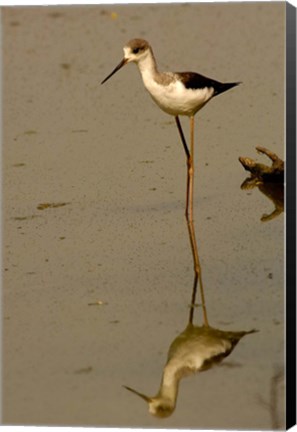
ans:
(92, 2)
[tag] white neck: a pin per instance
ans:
(147, 67)
(170, 381)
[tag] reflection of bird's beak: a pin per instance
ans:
(119, 66)
(146, 398)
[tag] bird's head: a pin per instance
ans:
(158, 406)
(135, 51)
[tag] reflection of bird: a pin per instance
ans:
(196, 349)
(180, 93)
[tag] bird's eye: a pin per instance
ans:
(136, 50)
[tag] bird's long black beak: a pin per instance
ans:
(119, 66)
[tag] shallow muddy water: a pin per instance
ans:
(98, 270)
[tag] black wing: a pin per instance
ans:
(192, 80)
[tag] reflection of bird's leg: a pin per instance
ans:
(198, 275)
(192, 305)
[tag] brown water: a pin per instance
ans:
(97, 261)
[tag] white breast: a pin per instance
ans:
(175, 99)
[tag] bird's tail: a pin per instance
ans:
(224, 87)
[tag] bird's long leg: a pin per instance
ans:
(190, 220)
(188, 156)
(191, 169)
(182, 136)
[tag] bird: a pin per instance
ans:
(196, 349)
(177, 94)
